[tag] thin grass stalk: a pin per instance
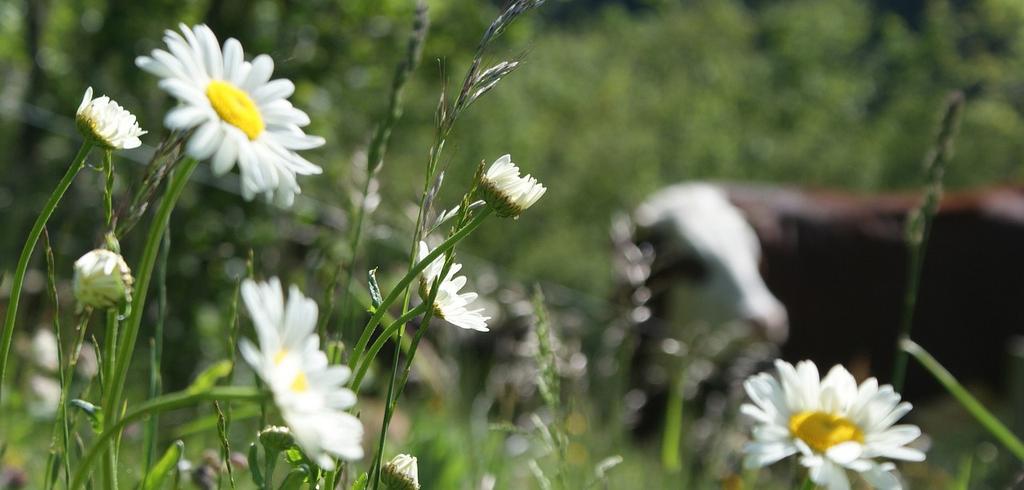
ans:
(550, 384)
(63, 379)
(157, 349)
(224, 415)
(919, 223)
(378, 455)
(391, 400)
(473, 86)
(126, 346)
(987, 420)
(26, 254)
(225, 446)
(446, 117)
(390, 396)
(69, 371)
(111, 330)
(158, 405)
(382, 136)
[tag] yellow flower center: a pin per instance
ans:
(279, 357)
(823, 430)
(300, 383)
(236, 107)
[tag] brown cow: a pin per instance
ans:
(838, 263)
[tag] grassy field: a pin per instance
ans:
(611, 101)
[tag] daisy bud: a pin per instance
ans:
(400, 473)
(507, 192)
(102, 280)
(107, 123)
(276, 439)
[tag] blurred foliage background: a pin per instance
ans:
(615, 99)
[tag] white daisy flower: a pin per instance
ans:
(449, 304)
(310, 394)
(832, 423)
(507, 192)
(102, 280)
(238, 114)
(106, 122)
(401, 473)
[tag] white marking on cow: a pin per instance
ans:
(700, 223)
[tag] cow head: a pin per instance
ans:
(706, 258)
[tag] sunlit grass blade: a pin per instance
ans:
(157, 348)
(26, 254)
(919, 223)
(980, 413)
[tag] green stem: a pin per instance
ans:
(409, 276)
(989, 421)
(109, 356)
(808, 484)
(126, 346)
(26, 254)
(269, 464)
(391, 400)
(157, 405)
(108, 188)
(156, 351)
(381, 340)
(109, 343)
(919, 225)
(670, 442)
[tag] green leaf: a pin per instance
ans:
(375, 297)
(254, 465)
(294, 479)
(209, 378)
(294, 456)
(155, 478)
(360, 483)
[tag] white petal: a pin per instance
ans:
(845, 453)
(259, 74)
(281, 88)
(226, 156)
(205, 141)
(186, 117)
(881, 479)
(763, 454)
